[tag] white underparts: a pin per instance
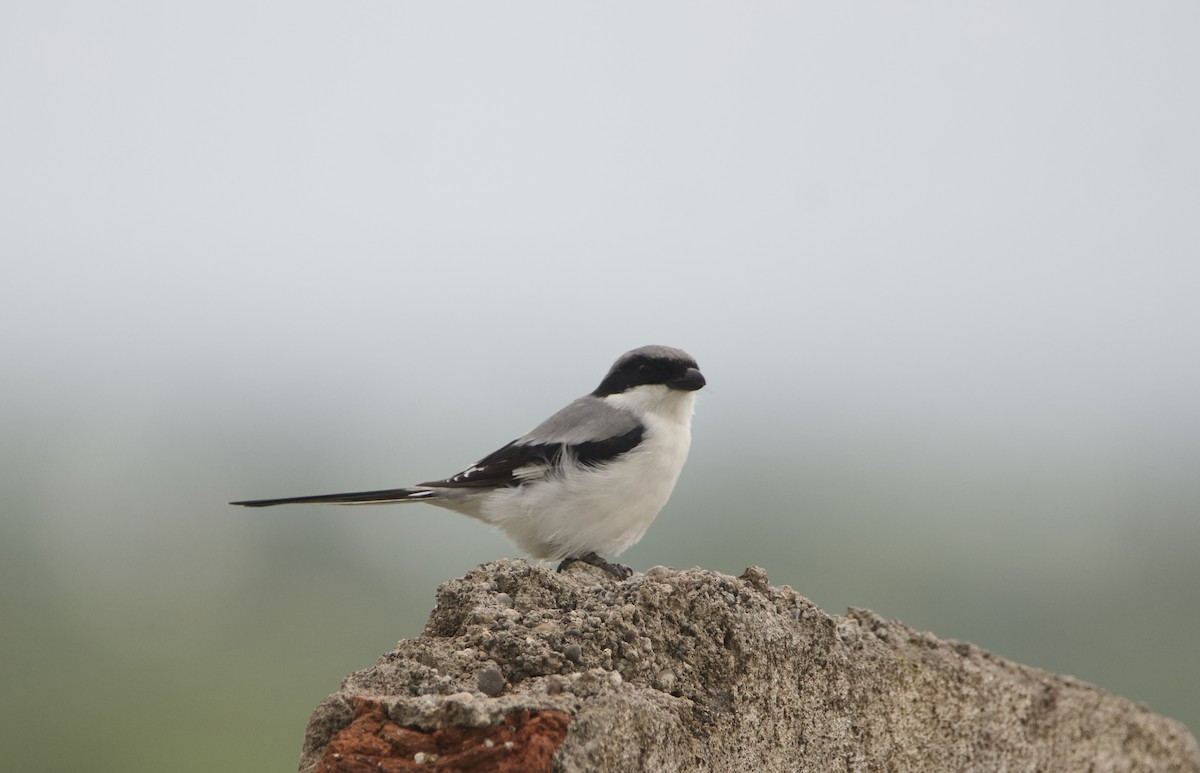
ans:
(602, 509)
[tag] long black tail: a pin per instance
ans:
(353, 498)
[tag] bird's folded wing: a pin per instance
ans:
(585, 420)
(588, 432)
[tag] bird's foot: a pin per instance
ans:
(616, 570)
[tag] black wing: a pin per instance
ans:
(518, 462)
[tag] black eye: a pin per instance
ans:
(643, 368)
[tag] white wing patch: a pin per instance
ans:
(530, 472)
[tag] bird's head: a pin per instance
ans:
(653, 379)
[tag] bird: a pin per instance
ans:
(586, 482)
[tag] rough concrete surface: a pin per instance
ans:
(523, 669)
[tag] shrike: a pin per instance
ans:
(587, 481)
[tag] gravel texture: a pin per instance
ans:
(522, 668)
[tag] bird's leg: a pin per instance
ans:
(616, 570)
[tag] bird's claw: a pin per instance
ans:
(616, 570)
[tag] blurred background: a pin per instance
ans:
(939, 263)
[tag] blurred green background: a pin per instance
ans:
(939, 264)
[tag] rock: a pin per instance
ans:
(698, 671)
(491, 682)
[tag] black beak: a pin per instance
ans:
(689, 382)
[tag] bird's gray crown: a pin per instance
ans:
(651, 365)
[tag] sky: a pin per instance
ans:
(938, 261)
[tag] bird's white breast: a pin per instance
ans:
(608, 508)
